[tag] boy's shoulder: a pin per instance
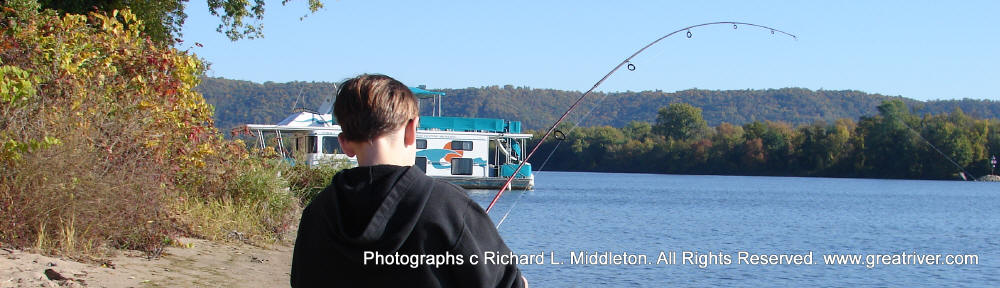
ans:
(448, 189)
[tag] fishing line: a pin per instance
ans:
(627, 61)
(576, 124)
(560, 137)
(511, 209)
(938, 150)
(560, 140)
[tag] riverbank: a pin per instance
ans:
(194, 263)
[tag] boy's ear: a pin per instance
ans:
(346, 146)
(410, 131)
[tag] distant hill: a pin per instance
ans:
(239, 102)
(244, 102)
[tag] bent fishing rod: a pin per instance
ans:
(628, 63)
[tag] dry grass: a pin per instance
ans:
(256, 207)
(72, 206)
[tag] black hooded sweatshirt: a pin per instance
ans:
(392, 209)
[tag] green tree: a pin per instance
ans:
(162, 19)
(815, 151)
(680, 121)
(820, 146)
(960, 139)
(753, 130)
(241, 19)
(890, 147)
(727, 141)
(637, 130)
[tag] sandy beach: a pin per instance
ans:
(200, 263)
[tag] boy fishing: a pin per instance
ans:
(385, 223)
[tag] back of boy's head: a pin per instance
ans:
(369, 106)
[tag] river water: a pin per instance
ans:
(889, 224)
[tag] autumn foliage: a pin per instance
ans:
(105, 143)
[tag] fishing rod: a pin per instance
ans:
(631, 67)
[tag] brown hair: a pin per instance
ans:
(371, 105)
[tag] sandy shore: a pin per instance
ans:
(200, 264)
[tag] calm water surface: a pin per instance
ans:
(644, 214)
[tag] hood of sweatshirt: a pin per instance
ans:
(376, 207)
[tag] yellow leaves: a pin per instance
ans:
(73, 21)
(192, 162)
(145, 104)
(67, 64)
(128, 28)
(134, 24)
(51, 141)
(206, 149)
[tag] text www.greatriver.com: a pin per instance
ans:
(872, 260)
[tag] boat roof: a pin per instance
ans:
(464, 124)
(423, 93)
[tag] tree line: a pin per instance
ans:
(894, 143)
(241, 102)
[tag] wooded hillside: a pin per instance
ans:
(239, 102)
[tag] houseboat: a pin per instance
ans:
(474, 153)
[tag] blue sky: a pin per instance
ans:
(918, 49)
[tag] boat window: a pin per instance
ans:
(311, 144)
(461, 166)
(421, 162)
(330, 145)
(461, 145)
(421, 143)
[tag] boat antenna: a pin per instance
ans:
(631, 67)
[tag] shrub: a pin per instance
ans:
(306, 182)
(104, 142)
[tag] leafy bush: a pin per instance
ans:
(104, 142)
